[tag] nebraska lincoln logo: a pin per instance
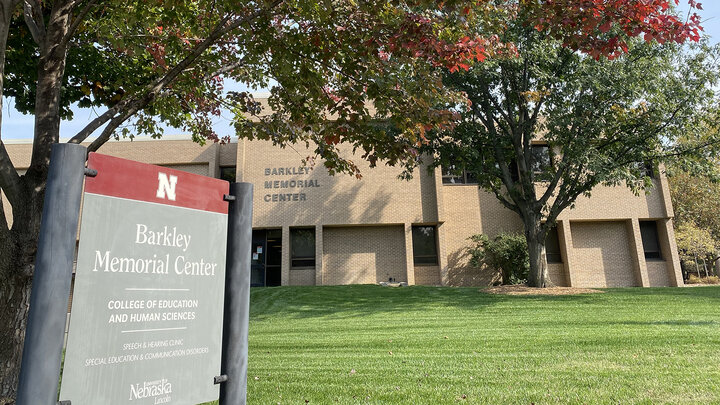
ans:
(166, 186)
(159, 390)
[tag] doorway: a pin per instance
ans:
(266, 258)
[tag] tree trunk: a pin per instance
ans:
(20, 248)
(20, 244)
(15, 295)
(538, 276)
(6, 11)
(14, 284)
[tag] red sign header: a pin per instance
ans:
(140, 181)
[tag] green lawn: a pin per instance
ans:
(432, 345)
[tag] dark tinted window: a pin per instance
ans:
(274, 247)
(228, 173)
(552, 246)
(540, 158)
(650, 241)
(302, 247)
(646, 169)
(424, 245)
(452, 175)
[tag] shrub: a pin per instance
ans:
(693, 279)
(506, 253)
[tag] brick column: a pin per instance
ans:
(439, 196)
(666, 233)
(285, 262)
(409, 262)
(442, 255)
(441, 249)
(319, 255)
(214, 161)
(566, 249)
(240, 161)
(638, 252)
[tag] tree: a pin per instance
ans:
(152, 62)
(158, 61)
(548, 126)
(695, 244)
(695, 193)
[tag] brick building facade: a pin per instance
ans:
(310, 228)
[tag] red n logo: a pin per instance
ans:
(166, 186)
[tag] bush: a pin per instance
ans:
(693, 279)
(506, 253)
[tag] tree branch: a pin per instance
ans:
(77, 20)
(98, 122)
(119, 113)
(225, 69)
(34, 20)
(504, 201)
(114, 123)
(559, 173)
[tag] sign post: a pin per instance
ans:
(237, 296)
(147, 312)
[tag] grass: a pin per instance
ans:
(432, 345)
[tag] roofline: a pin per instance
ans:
(145, 138)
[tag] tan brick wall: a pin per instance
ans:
(465, 211)
(427, 275)
(201, 169)
(469, 211)
(618, 202)
(378, 198)
(666, 233)
(363, 254)
(227, 155)
(556, 273)
(302, 277)
(164, 152)
(601, 253)
(658, 273)
(382, 199)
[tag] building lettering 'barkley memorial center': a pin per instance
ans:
(310, 228)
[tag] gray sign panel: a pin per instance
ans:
(146, 319)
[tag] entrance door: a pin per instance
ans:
(266, 258)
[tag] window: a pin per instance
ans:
(228, 173)
(424, 246)
(650, 241)
(646, 169)
(552, 246)
(302, 247)
(540, 158)
(452, 175)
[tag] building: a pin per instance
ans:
(310, 228)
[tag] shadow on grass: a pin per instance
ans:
(672, 323)
(711, 291)
(363, 300)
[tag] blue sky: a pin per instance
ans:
(710, 15)
(19, 126)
